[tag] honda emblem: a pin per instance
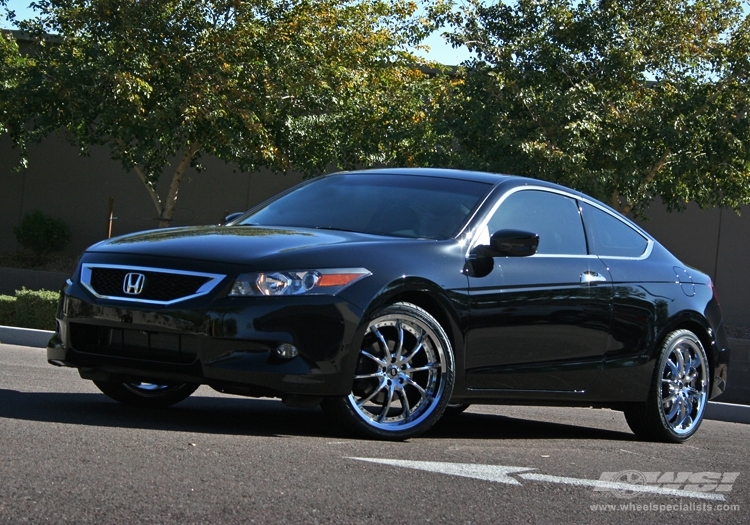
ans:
(133, 283)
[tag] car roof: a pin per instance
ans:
(445, 173)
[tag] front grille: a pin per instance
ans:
(156, 286)
(135, 344)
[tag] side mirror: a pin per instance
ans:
(511, 243)
(232, 216)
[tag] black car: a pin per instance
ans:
(392, 296)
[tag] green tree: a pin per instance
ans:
(626, 100)
(285, 84)
(11, 71)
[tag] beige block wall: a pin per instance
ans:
(715, 241)
(76, 189)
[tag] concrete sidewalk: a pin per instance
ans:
(732, 406)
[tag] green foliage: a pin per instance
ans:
(624, 100)
(42, 234)
(7, 310)
(11, 69)
(36, 309)
(285, 84)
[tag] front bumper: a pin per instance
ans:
(227, 343)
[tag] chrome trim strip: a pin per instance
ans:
(215, 279)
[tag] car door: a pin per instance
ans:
(538, 322)
(640, 285)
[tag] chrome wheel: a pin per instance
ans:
(679, 392)
(404, 375)
(149, 389)
(684, 385)
(144, 394)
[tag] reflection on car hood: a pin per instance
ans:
(225, 243)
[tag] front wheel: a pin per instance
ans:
(147, 395)
(679, 392)
(404, 376)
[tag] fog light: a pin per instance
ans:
(287, 351)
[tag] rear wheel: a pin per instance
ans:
(679, 392)
(147, 394)
(404, 376)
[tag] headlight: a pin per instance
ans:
(311, 282)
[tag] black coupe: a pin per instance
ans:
(393, 296)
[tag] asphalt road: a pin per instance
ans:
(69, 455)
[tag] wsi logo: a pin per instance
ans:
(682, 481)
(133, 283)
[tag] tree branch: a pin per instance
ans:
(168, 212)
(650, 177)
(151, 190)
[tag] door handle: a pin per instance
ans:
(591, 277)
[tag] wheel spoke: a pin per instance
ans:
(405, 404)
(672, 369)
(372, 394)
(673, 407)
(377, 360)
(684, 413)
(669, 400)
(400, 341)
(387, 406)
(694, 392)
(693, 364)
(368, 376)
(680, 353)
(383, 344)
(417, 348)
(422, 393)
(428, 366)
(695, 396)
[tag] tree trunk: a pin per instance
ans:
(170, 205)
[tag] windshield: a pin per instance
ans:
(381, 204)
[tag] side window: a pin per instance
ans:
(609, 236)
(555, 218)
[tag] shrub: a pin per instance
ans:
(42, 234)
(36, 309)
(7, 310)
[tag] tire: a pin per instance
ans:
(148, 395)
(453, 409)
(678, 393)
(404, 376)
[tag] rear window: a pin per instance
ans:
(609, 236)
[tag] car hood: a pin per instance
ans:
(229, 244)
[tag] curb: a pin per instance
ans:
(9, 335)
(727, 412)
